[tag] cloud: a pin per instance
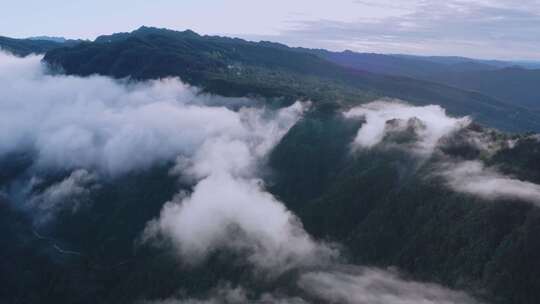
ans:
(71, 193)
(92, 127)
(229, 207)
(479, 28)
(97, 123)
(226, 294)
(422, 129)
(425, 125)
(338, 284)
(474, 178)
(374, 286)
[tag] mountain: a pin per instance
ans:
(35, 45)
(456, 60)
(515, 85)
(235, 67)
(510, 82)
(24, 47)
(401, 65)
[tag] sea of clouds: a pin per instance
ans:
(96, 127)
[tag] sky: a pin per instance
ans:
(491, 29)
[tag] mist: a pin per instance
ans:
(473, 177)
(101, 124)
(346, 284)
(71, 193)
(429, 128)
(229, 207)
(373, 286)
(96, 128)
(99, 127)
(429, 123)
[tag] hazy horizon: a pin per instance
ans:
(484, 29)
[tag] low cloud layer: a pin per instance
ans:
(474, 178)
(226, 294)
(345, 284)
(93, 127)
(421, 129)
(229, 207)
(427, 124)
(71, 194)
(374, 286)
(102, 125)
(97, 123)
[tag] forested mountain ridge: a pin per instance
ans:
(487, 77)
(513, 83)
(235, 67)
(34, 45)
(23, 47)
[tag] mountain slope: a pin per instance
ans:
(516, 85)
(504, 81)
(24, 47)
(391, 209)
(234, 67)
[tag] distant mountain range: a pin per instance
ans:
(226, 66)
(35, 45)
(512, 82)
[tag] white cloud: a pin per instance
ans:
(373, 286)
(100, 124)
(226, 294)
(345, 284)
(485, 29)
(474, 178)
(428, 123)
(70, 193)
(229, 208)
(97, 124)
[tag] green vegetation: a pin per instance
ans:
(24, 47)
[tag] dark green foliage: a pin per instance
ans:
(24, 47)
(111, 266)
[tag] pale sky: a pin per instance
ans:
(476, 28)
